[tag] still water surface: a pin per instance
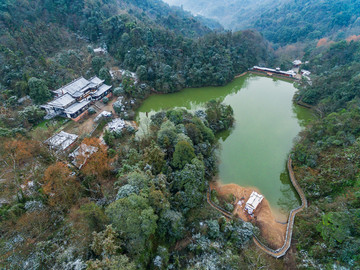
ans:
(255, 151)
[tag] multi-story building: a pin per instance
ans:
(74, 98)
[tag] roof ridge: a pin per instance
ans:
(82, 77)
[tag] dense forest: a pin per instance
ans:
(140, 201)
(327, 160)
(168, 49)
(301, 20)
(128, 207)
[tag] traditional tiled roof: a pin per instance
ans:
(71, 88)
(62, 102)
(96, 81)
(74, 90)
(61, 140)
(76, 107)
(102, 89)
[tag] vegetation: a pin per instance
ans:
(140, 201)
(166, 48)
(131, 206)
(301, 20)
(282, 22)
(161, 50)
(327, 161)
(336, 80)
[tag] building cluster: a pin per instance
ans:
(73, 99)
(295, 72)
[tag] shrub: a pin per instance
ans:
(118, 91)
(91, 111)
(105, 100)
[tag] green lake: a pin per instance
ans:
(254, 152)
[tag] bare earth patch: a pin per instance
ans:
(264, 219)
(87, 124)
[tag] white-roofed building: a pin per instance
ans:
(61, 141)
(297, 62)
(253, 202)
(76, 109)
(104, 114)
(100, 50)
(305, 72)
(102, 91)
(74, 98)
(82, 154)
(289, 73)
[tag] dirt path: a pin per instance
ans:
(241, 75)
(87, 124)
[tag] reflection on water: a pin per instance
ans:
(255, 150)
(287, 201)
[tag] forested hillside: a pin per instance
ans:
(169, 49)
(138, 202)
(327, 160)
(301, 20)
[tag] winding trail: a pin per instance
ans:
(290, 224)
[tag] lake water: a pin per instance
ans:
(254, 152)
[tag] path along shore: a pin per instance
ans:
(279, 235)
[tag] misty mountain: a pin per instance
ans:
(232, 14)
(282, 21)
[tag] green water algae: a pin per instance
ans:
(255, 151)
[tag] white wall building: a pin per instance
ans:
(253, 202)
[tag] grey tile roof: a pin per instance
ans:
(74, 86)
(61, 140)
(97, 81)
(62, 101)
(102, 89)
(76, 107)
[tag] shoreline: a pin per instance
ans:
(264, 218)
(279, 252)
(287, 79)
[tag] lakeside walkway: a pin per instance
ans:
(290, 224)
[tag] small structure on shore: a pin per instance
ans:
(253, 202)
(277, 71)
